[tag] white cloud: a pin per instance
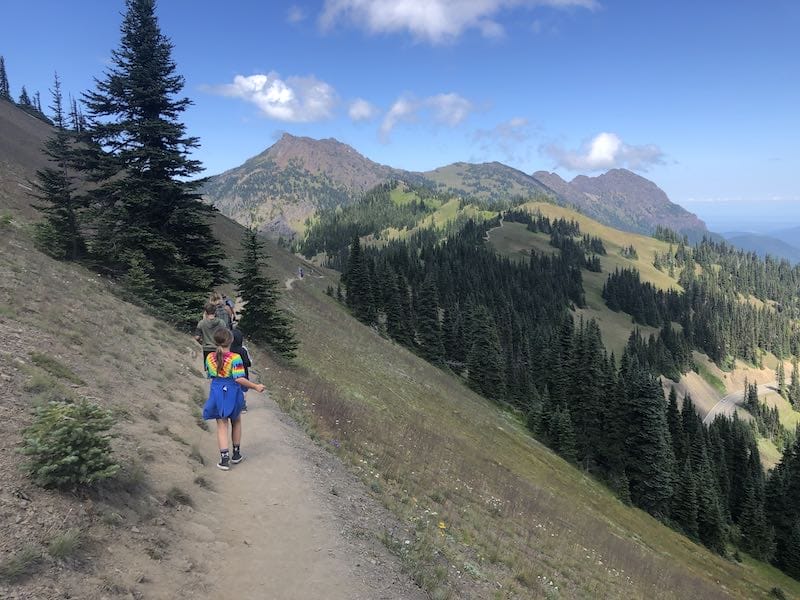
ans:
(447, 109)
(450, 109)
(295, 14)
(296, 99)
(403, 109)
(361, 110)
(434, 21)
(508, 137)
(606, 151)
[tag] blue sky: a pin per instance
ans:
(701, 97)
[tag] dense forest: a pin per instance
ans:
(506, 328)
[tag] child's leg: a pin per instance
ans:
(236, 432)
(222, 434)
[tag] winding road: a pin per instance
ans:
(728, 404)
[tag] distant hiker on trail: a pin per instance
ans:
(230, 306)
(239, 348)
(301, 272)
(225, 399)
(223, 311)
(204, 332)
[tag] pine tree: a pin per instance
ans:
(59, 234)
(684, 505)
(649, 457)
(780, 375)
(262, 320)
(675, 426)
(356, 280)
(137, 155)
(5, 90)
(485, 359)
(794, 385)
(429, 329)
(24, 99)
(565, 436)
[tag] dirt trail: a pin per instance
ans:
(272, 530)
(727, 406)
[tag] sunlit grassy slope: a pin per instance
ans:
(496, 514)
(514, 240)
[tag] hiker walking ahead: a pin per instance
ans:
(223, 311)
(225, 399)
(204, 332)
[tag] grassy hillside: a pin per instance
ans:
(514, 240)
(510, 511)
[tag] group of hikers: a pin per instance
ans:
(226, 362)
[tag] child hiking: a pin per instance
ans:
(225, 399)
(204, 332)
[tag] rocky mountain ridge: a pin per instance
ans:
(286, 184)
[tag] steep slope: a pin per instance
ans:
(21, 139)
(624, 200)
(490, 182)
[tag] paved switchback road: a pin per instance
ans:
(728, 404)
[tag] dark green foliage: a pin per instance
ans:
(780, 377)
(684, 504)
(793, 394)
(24, 100)
(262, 320)
(429, 330)
(69, 445)
(333, 230)
(485, 360)
(631, 253)
(357, 281)
(649, 459)
(146, 214)
(665, 234)
(59, 234)
(5, 90)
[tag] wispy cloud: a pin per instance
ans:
(295, 99)
(434, 21)
(508, 138)
(606, 151)
(446, 109)
(295, 14)
(361, 110)
(404, 109)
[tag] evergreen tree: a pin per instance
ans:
(565, 436)
(649, 458)
(794, 385)
(5, 90)
(675, 426)
(429, 329)
(485, 359)
(684, 505)
(780, 375)
(137, 155)
(262, 320)
(59, 234)
(24, 99)
(356, 280)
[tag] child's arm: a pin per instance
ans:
(244, 382)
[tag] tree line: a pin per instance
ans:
(117, 193)
(505, 327)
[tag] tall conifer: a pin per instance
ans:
(5, 90)
(262, 320)
(59, 234)
(137, 154)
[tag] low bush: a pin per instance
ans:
(69, 445)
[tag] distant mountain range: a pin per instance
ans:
(284, 185)
(781, 244)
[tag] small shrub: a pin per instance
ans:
(55, 368)
(68, 445)
(65, 544)
(177, 496)
(204, 483)
(6, 219)
(778, 593)
(21, 564)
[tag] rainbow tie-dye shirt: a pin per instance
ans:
(232, 365)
